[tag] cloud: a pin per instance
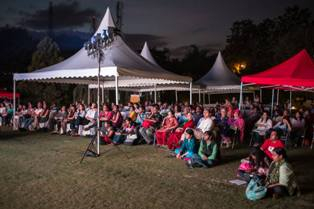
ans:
(65, 15)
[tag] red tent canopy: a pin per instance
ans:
(298, 71)
(8, 94)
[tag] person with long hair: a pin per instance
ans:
(263, 125)
(117, 118)
(298, 124)
(187, 149)
(281, 180)
(208, 153)
(175, 136)
(169, 124)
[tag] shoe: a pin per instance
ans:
(189, 164)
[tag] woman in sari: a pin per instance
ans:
(174, 137)
(169, 123)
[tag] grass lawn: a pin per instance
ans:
(39, 170)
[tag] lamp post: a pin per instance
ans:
(94, 48)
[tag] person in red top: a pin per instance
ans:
(270, 144)
(175, 136)
(169, 123)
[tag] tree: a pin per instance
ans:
(47, 53)
(271, 41)
(16, 48)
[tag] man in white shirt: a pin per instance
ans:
(204, 124)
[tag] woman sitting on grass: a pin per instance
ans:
(169, 123)
(128, 128)
(187, 149)
(107, 133)
(255, 164)
(208, 152)
(174, 137)
(281, 180)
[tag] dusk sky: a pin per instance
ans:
(173, 22)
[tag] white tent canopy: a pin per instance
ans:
(119, 61)
(147, 55)
(219, 78)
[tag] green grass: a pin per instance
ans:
(39, 170)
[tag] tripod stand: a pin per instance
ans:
(90, 150)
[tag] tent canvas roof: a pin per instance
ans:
(119, 60)
(297, 71)
(219, 76)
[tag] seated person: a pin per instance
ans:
(128, 128)
(263, 125)
(28, 117)
(198, 114)
(141, 115)
(132, 113)
(105, 114)
(297, 123)
(91, 116)
(107, 133)
(204, 124)
(59, 118)
(174, 137)
(281, 180)
(208, 152)
(237, 124)
(117, 118)
(44, 116)
(255, 164)
(36, 115)
(187, 149)
(169, 123)
(283, 126)
(150, 124)
(79, 119)
(223, 126)
(3, 114)
(270, 144)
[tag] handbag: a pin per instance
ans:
(255, 190)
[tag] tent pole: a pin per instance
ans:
(88, 95)
(176, 92)
(117, 92)
(199, 95)
(260, 95)
(253, 95)
(191, 93)
(240, 102)
(272, 102)
(155, 93)
(203, 97)
(14, 103)
(278, 96)
(208, 98)
(102, 94)
(98, 106)
(290, 101)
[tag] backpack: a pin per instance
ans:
(255, 190)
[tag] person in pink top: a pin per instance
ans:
(270, 144)
(238, 124)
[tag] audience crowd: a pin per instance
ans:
(193, 133)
